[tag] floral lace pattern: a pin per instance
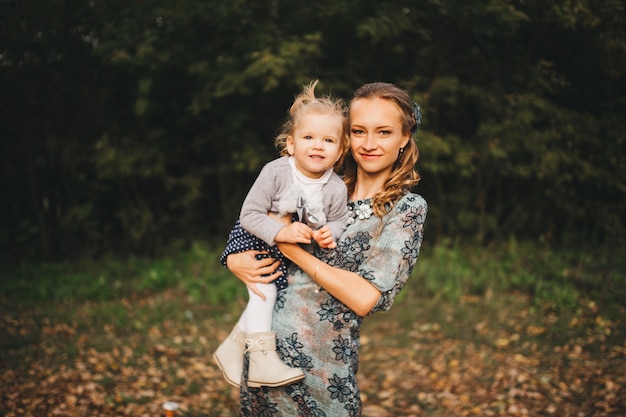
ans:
(359, 210)
(319, 334)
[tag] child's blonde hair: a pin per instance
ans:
(306, 103)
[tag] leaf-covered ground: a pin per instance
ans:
(462, 360)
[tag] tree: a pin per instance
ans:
(131, 126)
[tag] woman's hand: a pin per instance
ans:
(250, 270)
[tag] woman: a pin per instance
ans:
(319, 314)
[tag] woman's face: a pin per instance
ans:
(376, 135)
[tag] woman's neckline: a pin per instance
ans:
(359, 210)
(360, 200)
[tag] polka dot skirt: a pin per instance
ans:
(240, 240)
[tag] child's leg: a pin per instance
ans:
(257, 317)
(229, 355)
(266, 368)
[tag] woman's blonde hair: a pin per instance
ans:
(404, 176)
(306, 103)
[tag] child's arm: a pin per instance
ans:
(298, 232)
(257, 204)
(295, 232)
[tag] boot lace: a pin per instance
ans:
(258, 343)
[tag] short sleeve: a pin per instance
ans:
(393, 254)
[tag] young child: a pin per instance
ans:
(302, 184)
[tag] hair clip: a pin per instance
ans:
(417, 114)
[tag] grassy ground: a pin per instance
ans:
(513, 330)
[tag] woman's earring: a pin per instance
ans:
(399, 158)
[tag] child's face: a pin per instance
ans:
(316, 143)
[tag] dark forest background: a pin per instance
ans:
(130, 127)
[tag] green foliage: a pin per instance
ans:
(32, 284)
(552, 278)
(451, 272)
(196, 272)
(132, 127)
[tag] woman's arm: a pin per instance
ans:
(348, 287)
(250, 270)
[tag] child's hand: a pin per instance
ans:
(324, 238)
(295, 232)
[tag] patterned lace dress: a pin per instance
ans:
(319, 334)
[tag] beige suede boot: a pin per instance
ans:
(229, 356)
(266, 369)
